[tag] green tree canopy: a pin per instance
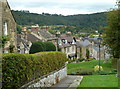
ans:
(37, 46)
(49, 46)
(113, 32)
(42, 46)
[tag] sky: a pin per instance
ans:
(64, 7)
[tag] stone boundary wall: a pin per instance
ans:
(47, 80)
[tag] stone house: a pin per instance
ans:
(67, 44)
(45, 35)
(96, 52)
(7, 26)
(95, 49)
(24, 41)
(82, 46)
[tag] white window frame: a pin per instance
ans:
(5, 28)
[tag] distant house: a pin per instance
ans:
(35, 28)
(82, 46)
(67, 44)
(96, 51)
(45, 35)
(25, 41)
(7, 26)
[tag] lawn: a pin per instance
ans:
(99, 81)
(94, 80)
(88, 65)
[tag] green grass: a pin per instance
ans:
(99, 81)
(88, 65)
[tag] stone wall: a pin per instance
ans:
(7, 17)
(47, 80)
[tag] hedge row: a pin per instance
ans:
(18, 69)
(39, 46)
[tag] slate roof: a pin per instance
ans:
(97, 48)
(46, 35)
(95, 40)
(32, 38)
(83, 43)
(64, 45)
(68, 38)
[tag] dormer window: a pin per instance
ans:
(63, 40)
(5, 28)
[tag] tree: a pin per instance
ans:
(87, 54)
(37, 46)
(11, 48)
(49, 46)
(19, 29)
(112, 38)
(42, 46)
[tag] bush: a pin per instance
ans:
(18, 69)
(105, 72)
(96, 68)
(85, 72)
(82, 72)
(37, 46)
(81, 59)
(49, 46)
(42, 46)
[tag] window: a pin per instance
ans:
(5, 28)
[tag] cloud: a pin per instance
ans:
(65, 7)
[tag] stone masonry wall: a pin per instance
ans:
(48, 80)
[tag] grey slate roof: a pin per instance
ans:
(64, 45)
(97, 48)
(95, 40)
(83, 43)
(68, 38)
(32, 38)
(46, 35)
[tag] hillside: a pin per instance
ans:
(81, 21)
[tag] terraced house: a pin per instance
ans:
(7, 26)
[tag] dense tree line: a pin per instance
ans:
(80, 21)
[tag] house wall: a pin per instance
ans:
(71, 50)
(7, 18)
(96, 54)
(0, 22)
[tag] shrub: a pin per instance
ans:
(42, 46)
(105, 72)
(96, 68)
(81, 59)
(85, 72)
(37, 46)
(87, 54)
(18, 69)
(49, 46)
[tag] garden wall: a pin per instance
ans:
(47, 80)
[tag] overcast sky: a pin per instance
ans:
(64, 7)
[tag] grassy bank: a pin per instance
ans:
(88, 66)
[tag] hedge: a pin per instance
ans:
(19, 69)
(39, 46)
